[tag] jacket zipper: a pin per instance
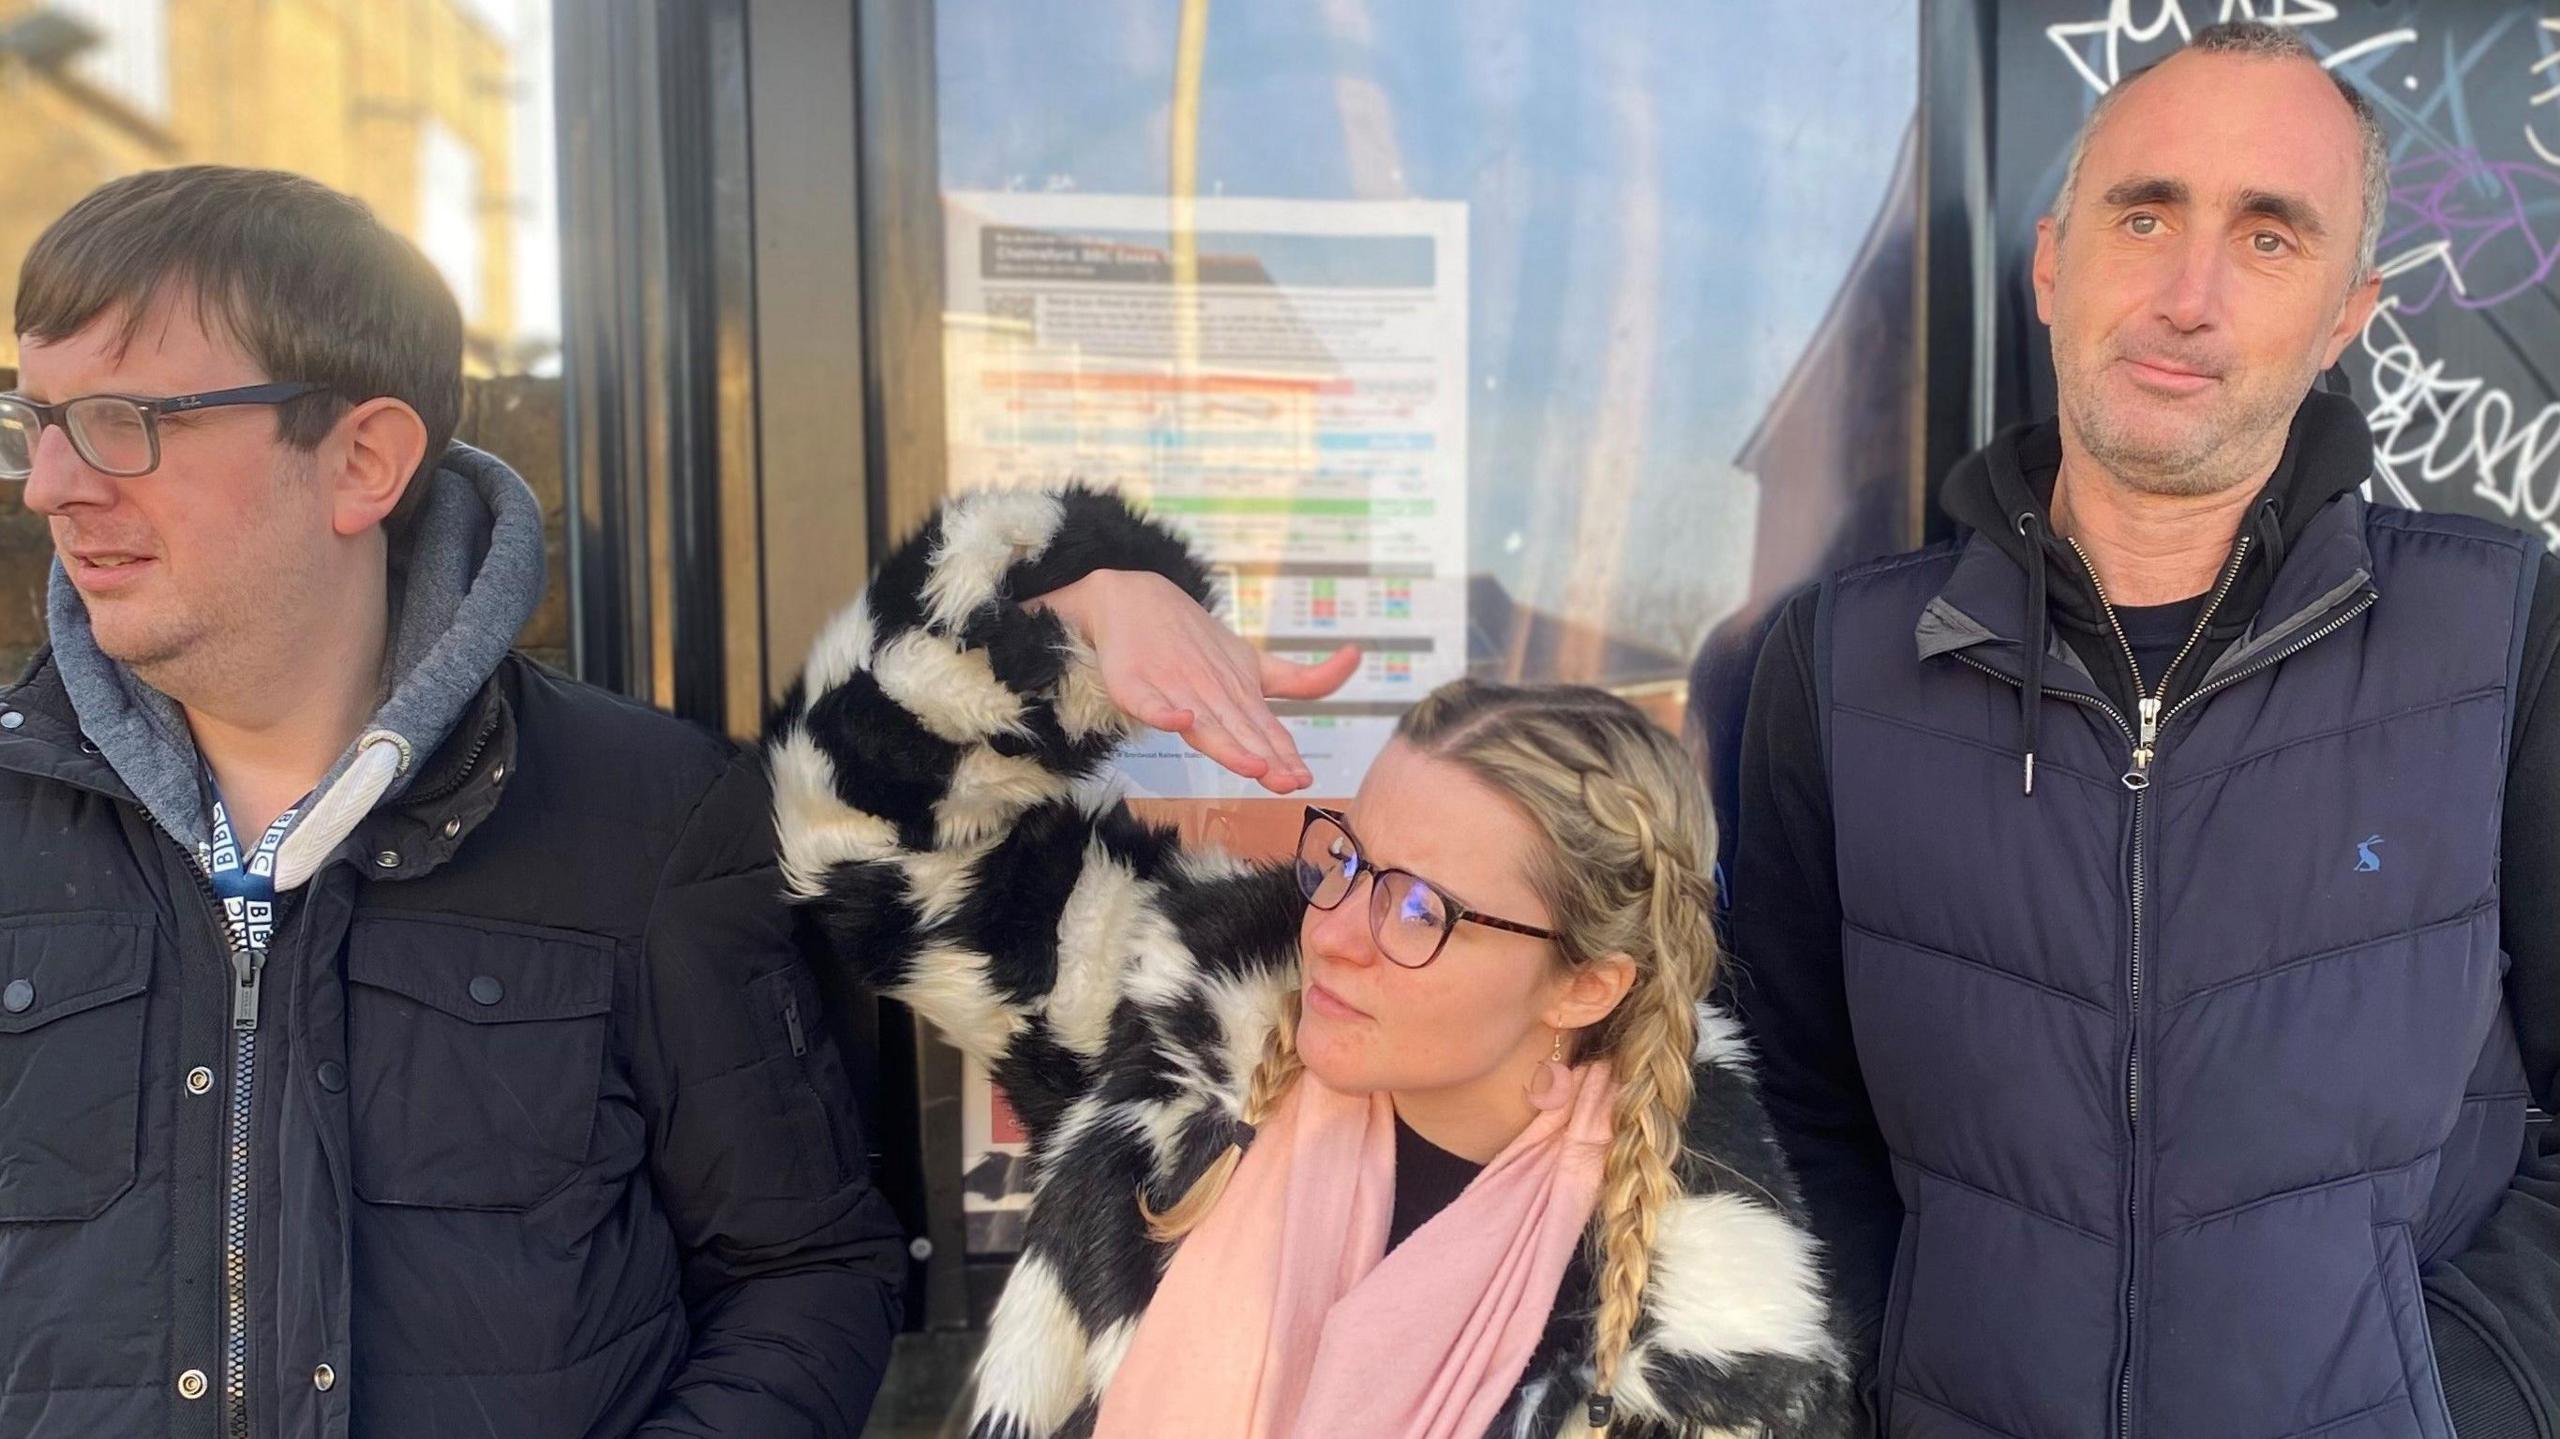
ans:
(2344, 617)
(2146, 746)
(2137, 779)
(248, 968)
(2089, 701)
(235, 1198)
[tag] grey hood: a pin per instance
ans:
(464, 581)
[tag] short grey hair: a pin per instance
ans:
(2260, 40)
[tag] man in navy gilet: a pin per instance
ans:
(2144, 902)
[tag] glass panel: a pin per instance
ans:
(437, 113)
(1539, 342)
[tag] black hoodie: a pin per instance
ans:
(2493, 1310)
(2005, 490)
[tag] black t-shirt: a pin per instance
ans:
(1428, 1180)
(2157, 633)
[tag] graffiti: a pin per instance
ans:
(2439, 128)
(2118, 27)
(2429, 427)
(2487, 231)
(2104, 66)
(2550, 61)
(2097, 50)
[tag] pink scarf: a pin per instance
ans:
(1280, 1319)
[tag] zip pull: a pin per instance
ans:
(2139, 777)
(791, 1024)
(247, 967)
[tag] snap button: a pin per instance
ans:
(388, 859)
(487, 990)
(11, 719)
(452, 827)
(19, 997)
(191, 1384)
(199, 1080)
(333, 1076)
(324, 1378)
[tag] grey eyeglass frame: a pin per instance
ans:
(150, 408)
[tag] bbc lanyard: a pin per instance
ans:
(246, 885)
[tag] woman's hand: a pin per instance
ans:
(1167, 662)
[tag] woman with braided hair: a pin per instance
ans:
(1424, 1133)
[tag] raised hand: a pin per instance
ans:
(1169, 663)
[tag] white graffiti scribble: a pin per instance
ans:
(2428, 428)
(2362, 48)
(2548, 154)
(2440, 252)
(2120, 26)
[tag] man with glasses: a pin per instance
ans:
(116, 435)
(2144, 902)
(396, 1038)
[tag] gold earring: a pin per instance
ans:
(1551, 1087)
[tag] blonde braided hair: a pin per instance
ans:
(1623, 872)
(1653, 1051)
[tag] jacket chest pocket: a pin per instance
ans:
(475, 1054)
(72, 992)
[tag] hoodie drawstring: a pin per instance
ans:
(2267, 519)
(2266, 524)
(2039, 637)
(381, 757)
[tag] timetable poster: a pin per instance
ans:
(1291, 394)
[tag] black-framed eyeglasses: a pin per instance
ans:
(1410, 917)
(118, 435)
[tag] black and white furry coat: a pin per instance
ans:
(940, 788)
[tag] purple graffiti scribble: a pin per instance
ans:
(2460, 205)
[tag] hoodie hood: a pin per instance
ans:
(2004, 493)
(465, 577)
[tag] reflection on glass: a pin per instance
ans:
(436, 113)
(1481, 312)
(1534, 341)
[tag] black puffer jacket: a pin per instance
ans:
(544, 1137)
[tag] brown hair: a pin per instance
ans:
(302, 278)
(1624, 870)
